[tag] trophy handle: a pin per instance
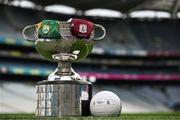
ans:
(29, 33)
(103, 29)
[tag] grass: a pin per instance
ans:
(146, 116)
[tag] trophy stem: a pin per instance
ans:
(64, 68)
(64, 63)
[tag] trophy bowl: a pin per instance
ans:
(48, 42)
(47, 48)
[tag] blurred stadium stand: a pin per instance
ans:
(135, 50)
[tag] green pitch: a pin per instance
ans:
(150, 116)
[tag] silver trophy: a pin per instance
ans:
(64, 93)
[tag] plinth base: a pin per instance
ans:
(63, 98)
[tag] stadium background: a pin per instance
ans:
(139, 59)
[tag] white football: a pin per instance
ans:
(105, 103)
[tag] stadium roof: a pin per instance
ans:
(120, 5)
(123, 6)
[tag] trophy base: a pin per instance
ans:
(63, 98)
